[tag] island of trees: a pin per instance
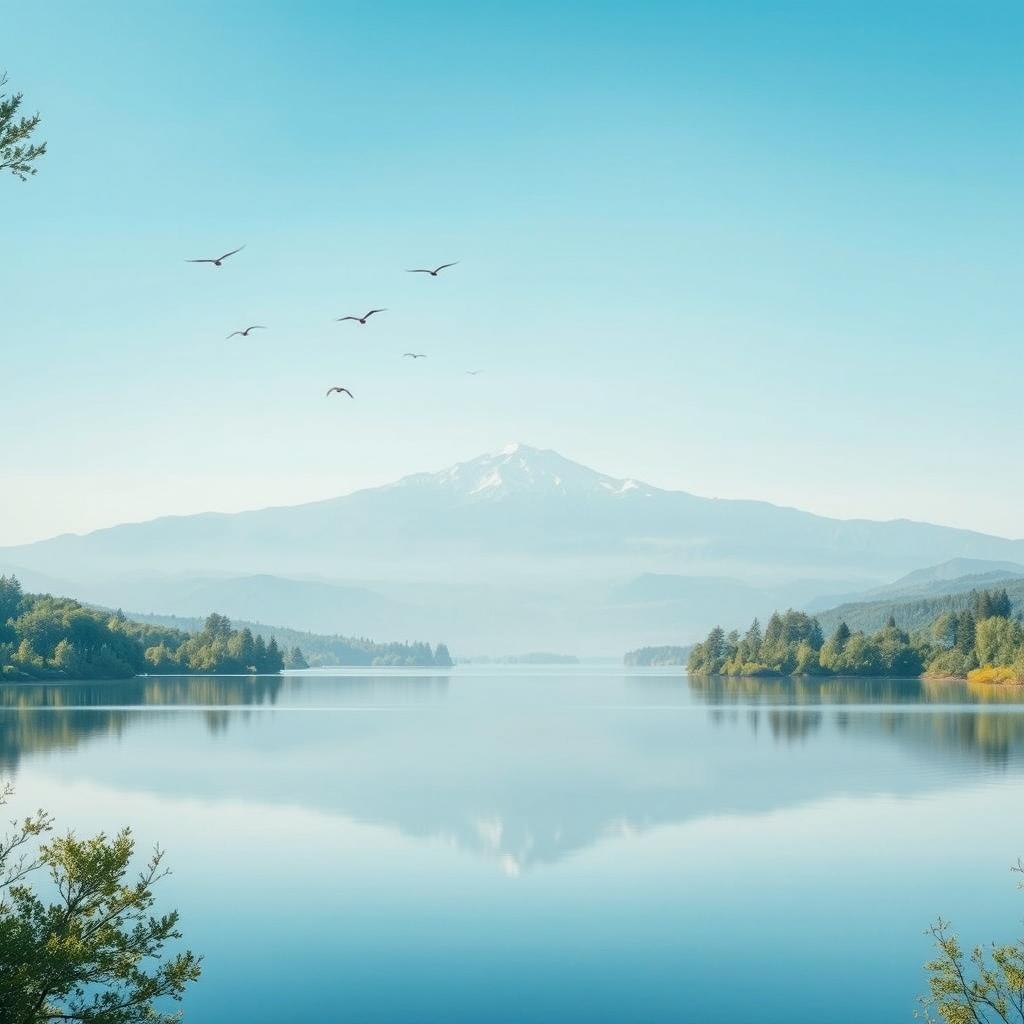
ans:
(984, 642)
(654, 656)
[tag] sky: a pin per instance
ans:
(741, 249)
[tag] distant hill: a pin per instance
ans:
(914, 613)
(948, 577)
(954, 569)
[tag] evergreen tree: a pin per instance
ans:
(965, 627)
(944, 630)
(275, 660)
(259, 654)
(295, 659)
(840, 637)
(17, 153)
(750, 646)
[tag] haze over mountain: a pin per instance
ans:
(519, 548)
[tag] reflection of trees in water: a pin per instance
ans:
(998, 736)
(67, 713)
(56, 716)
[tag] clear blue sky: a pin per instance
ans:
(744, 249)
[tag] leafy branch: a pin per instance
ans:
(17, 153)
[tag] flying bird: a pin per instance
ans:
(414, 355)
(220, 259)
(434, 272)
(340, 390)
(362, 319)
(473, 373)
(245, 333)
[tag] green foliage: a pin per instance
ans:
(320, 649)
(974, 988)
(665, 655)
(295, 659)
(17, 154)
(954, 644)
(96, 954)
(44, 637)
(998, 641)
(919, 613)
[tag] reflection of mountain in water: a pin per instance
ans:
(525, 779)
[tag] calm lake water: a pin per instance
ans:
(554, 845)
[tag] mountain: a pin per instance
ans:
(519, 549)
(953, 576)
(522, 512)
(955, 568)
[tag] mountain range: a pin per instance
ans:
(518, 549)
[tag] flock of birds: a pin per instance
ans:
(218, 261)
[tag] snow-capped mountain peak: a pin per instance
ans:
(518, 469)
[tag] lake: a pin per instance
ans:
(521, 844)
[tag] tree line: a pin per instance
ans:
(319, 649)
(655, 656)
(45, 637)
(983, 642)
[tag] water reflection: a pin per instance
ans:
(73, 712)
(941, 717)
(523, 771)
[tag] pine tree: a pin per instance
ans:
(965, 628)
(275, 660)
(259, 654)
(840, 637)
(17, 154)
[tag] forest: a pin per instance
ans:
(651, 657)
(983, 642)
(45, 637)
(320, 649)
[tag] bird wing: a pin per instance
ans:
(232, 253)
(233, 333)
(340, 318)
(200, 261)
(444, 265)
(256, 327)
(419, 271)
(372, 311)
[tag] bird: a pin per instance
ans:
(414, 355)
(434, 272)
(362, 319)
(340, 390)
(220, 259)
(473, 373)
(245, 333)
